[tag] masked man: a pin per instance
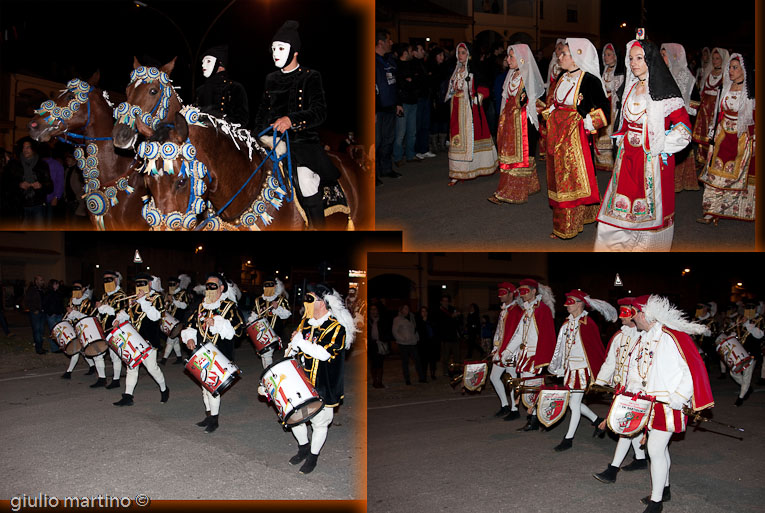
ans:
(113, 301)
(220, 96)
(319, 344)
(509, 316)
(176, 303)
(79, 307)
(217, 321)
(144, 312)
(271, 306)
(293, 98)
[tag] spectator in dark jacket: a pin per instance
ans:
(409, 80)
(26, 183)
(446, 324)
(54, 308)
(33, 302)
(379, 336)
(427, 345)
(387, 106)
(421, 144)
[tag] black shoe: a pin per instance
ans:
(163, 361)
(532, 424)
(165, 395)
(127, 400)
(178, 360)
(654, 507)
(739, 401)
(310, 463)
(608, 475)
(66, 375)
(748, 393)
(502, 411)
(565, 445)
(514, 414)
(302, 454)
(666, 495)
(600, 433)
(114, 384)
(212, 425)
(100, 383)
(205, 421)
(636, 465)
(91, 370)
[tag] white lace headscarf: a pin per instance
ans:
(704, 67)
(678, 66)
(656, 111)
(586, 57)
(532, 80)
(725, 60)
(461, 73)
(745, 104)
(553, 64)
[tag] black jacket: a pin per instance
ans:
(15, 198)
(409, 80)
(593, 97)
(224, 98)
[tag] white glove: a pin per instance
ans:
(676, 402)
(262, 391)
(122, 316)
(588, 124)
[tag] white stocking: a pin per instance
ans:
(131, 378)
(320, 424)
(153, 369)
(658, 450)
(267, 358)
(116, 364)
(300, 432)
(73, 362)
(577, 410)
(212, 404)
(100, 366)
(172, 344)
(499, 386)
(308, 180)
(622, 448)
(744, 379)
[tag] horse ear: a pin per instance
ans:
(168, 68)
(93, 80)
(136, 64)
(181, 127)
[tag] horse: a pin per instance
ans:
(152, 101)
(82, 115)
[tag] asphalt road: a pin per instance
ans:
(437, 217)
(63, 438)
(430, 448)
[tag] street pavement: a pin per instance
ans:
(437, 217)
(431, 448)
(62, 438)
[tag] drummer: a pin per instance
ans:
(144, 312)
(113, 300)
(273, 307)
(218, 322)
(79, 307)
(176, 303)
(319, 344)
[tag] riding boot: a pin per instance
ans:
(314, 209)
(302, 454)
(205, 421)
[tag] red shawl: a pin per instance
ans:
(702, 391)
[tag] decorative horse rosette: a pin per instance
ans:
(474, 376)
(551, 404)
(629, 412)
(529, 399)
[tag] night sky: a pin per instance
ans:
(58, 40)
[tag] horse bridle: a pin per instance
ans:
(127, 113)
(81, 91)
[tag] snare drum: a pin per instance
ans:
(212, 369)
(288, 387)
(262, 336)
(170, 326)
(733, 353)
(131, 347)
(91, 336)
(66, 337)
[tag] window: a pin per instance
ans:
(572, 13)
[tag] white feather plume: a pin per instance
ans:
(658, 309)
(87, 293)
(200, 289)
(156, 284)
(183, 281)
(712, 308)
(336, 307)
(233, 293)
(279, 289)
(606, 310)
(547, 297)
(119, 278)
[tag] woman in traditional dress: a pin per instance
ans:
(638, 210)
(705, 66)
(471, 149)
(523, 85)
(553, 70)
(613, 77)
(729, 186)
(579, 109)
(685, 159)
(710, 90)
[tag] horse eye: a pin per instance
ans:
(181, 183)
(153, 91)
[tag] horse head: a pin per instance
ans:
(175, 178)
(150, 100)
(70, 111)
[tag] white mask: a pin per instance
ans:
(280, 51)
(208, 65)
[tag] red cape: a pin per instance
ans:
(546, 335)
(593, 346)
(513, 317)
(702, 391)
